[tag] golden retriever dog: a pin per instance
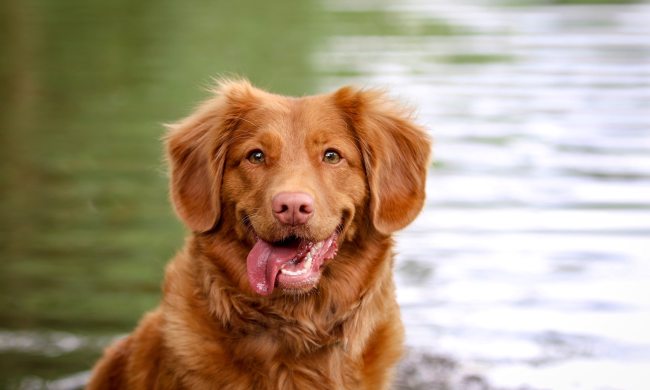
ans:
(286, 280)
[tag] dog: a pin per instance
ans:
(286, 280)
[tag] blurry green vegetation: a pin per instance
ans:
(476, 58)
(18, 366)
(86, 226)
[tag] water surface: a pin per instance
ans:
(529, 265)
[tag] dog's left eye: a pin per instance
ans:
(331, 156)
(256, 156)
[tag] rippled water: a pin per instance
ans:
(531, 262)
(530, 265)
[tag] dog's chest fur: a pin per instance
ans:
(289, 344)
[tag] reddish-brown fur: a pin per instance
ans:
(212, 331)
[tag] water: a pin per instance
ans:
(529, 265)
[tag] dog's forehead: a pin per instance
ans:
(300, 118)
(318, 111)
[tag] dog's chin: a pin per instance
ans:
(292, 264)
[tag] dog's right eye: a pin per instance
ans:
(256, 156)
(331, 156)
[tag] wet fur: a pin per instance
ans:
(211, 331)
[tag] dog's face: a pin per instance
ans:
(296, 178)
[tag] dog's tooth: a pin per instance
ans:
(316, 248)
(306, 266)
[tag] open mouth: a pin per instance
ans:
(292, 264)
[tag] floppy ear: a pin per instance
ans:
(196, 151)
(395, 154)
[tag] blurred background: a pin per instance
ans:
(528, 268)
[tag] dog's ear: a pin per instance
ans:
(196, 151)
(395, 154)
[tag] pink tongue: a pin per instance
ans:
(264, 262)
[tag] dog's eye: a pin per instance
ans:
(256, 156)
(331, 156)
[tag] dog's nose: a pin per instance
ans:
(292, 208)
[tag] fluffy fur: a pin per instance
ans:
(211, 330)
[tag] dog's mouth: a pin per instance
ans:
(291, 264)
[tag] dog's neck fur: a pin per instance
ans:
(329, 324)
(295, 328)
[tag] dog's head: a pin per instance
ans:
(296, 178)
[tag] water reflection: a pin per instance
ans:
(529, 264)
(86, 224)
(537, 218)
